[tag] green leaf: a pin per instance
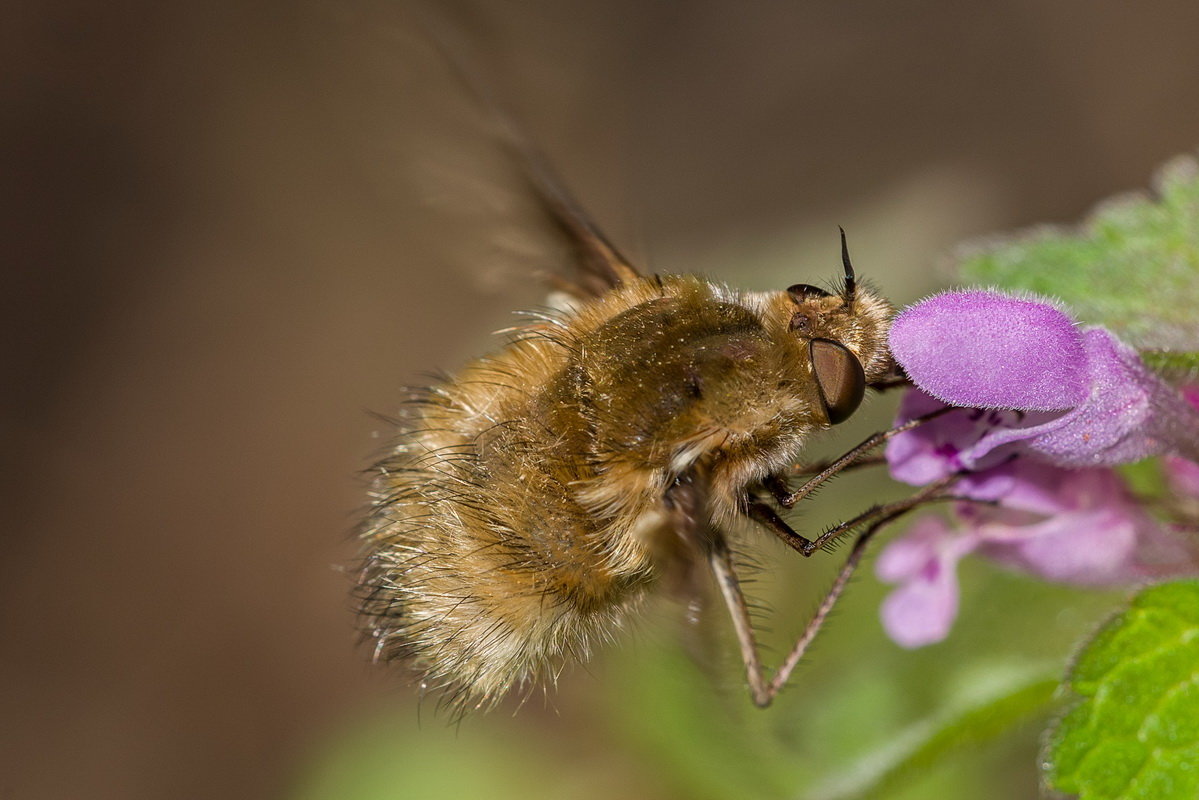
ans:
(664, 707)
(1184, 365)
(1134, 734)
(996, 703)
(1144, 478)
(1132, 267)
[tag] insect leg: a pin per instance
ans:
(889, 382)
(721, 561)
(720, 558)
(820, 466)
(826, 606)
(765, 515)
(686, 502)
(929, 494)
(855, 454)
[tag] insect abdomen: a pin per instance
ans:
(482, 568)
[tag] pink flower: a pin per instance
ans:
(1068, 525)
(1043, 408)
(924, 564)
(1183, 474)
(1084, 397)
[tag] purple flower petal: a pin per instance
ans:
(905, 558)
(945, 445)
(922, 609)
(1077, 526)
(1183, 476)
(1129, 414)
(1086, 398)
(1046, 409)
(1088, 536)
(1074, 526)
(1087, 547)
(921, 613)
(987, 350)
(1181, 473)
(1020, 485)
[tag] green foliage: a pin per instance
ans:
(707, 746)
(1181, 363)
(997, 703)
(1135, 733)
(660, 716)
(1144, 478)
(1132, 267)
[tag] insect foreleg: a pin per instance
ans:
(820, 466)
(764, 692)
(786, 499)
(929, 494)
(765, 515)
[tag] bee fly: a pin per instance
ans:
(531, 502)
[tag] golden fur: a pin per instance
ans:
(519, 517)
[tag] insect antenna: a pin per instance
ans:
(851, 284)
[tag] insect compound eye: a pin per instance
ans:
(805, 291)
(839, 377)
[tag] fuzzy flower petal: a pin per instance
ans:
(1078, 526)
(921, 610)
(1130, 414)
(1182, 474)
(1034, 412)
(945, 445)
(984, 349)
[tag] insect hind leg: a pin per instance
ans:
(764, 691)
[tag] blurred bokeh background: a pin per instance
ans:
(233, 229)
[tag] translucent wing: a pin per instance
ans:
(599, 265)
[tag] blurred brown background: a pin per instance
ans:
(232, 229)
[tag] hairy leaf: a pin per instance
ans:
(1135, 731)
(1132, 267)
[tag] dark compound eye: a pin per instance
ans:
(805, 291)
(839, 377)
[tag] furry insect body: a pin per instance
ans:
(526, 509)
